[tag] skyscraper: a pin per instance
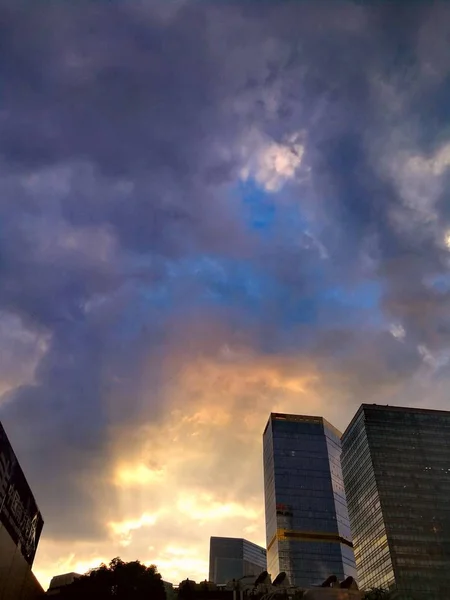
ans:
(307, 525)
(233, 558)
(396, 466)
(20, 528)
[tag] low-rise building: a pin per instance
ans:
(263, 588)
(59, 582)
(233, 558)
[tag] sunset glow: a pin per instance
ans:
(210, 211)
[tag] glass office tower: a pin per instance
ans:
(396, 466)
(307, 525)
(233, 558)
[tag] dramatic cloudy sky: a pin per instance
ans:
(208, 211)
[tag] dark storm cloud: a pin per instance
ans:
(122, 128)
(90, 81)
(137, 99)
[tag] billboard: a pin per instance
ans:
(19, 513)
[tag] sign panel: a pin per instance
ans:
(19, 513)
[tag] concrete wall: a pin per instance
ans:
(17, 582)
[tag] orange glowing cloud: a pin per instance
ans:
(196, 471)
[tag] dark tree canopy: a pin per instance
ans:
(187, 590)
(120, 580)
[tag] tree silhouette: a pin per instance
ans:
(120, 580)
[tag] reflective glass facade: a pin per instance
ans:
(233, 558)
(396, 466)
(307, 525)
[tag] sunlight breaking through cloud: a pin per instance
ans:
(208, 213)
(272, 164)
